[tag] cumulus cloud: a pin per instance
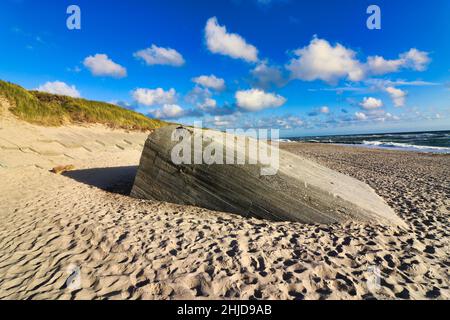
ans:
(371, 103)
(246, 121)
(201, 98)
(168, 111)
(322, 61)
(416, 59)
(324, 109)
(380, 115)
(266, 76)
(211, 82)
(256, 99)
(295, 122)
(160, 56)
(378, 65)
(361, 116)
(121, 103)
(318, 111)
(208, 104)
(59, 87)
(390, 116)
(345, 118)
(398, 96)
(158, 96)
(101, 65)
(413, 59)
(281, 122)
(221, 121)
(197, 94)
(219, 40)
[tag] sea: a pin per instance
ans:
(430, 141)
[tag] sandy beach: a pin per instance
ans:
(125, 248)
(228, 150)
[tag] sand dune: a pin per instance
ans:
(126, 248)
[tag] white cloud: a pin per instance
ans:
(360, 116)
(413, 59)
(380, 115)
(218, 40)
(416, 59)
(378, 65)
(160, 56)
(398, 96)
(288, 122)
(324, 109)
(266, 75)
(150, 97)
(255, 100)
(168, 111)
(279, 122)
(61, 88)
(382, 83)
(211, 82)
(207, 104)
(221, 121)
(120, 103)
(371, 103)
(295, 121)
(247, 121)
(322, 61)
(201, 98)
(390, 116)
(101, 65)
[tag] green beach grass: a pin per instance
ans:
(55, 110)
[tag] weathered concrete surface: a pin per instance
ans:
(301, 190)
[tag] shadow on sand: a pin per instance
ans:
(117, 180)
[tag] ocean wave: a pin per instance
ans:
(388, 144)
(283, 140)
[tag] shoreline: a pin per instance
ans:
(420, 141)
(412, 148)
(417, 149)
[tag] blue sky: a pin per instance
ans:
(306, 67)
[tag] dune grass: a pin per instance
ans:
(55, 110)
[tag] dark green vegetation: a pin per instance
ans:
(55, 110)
